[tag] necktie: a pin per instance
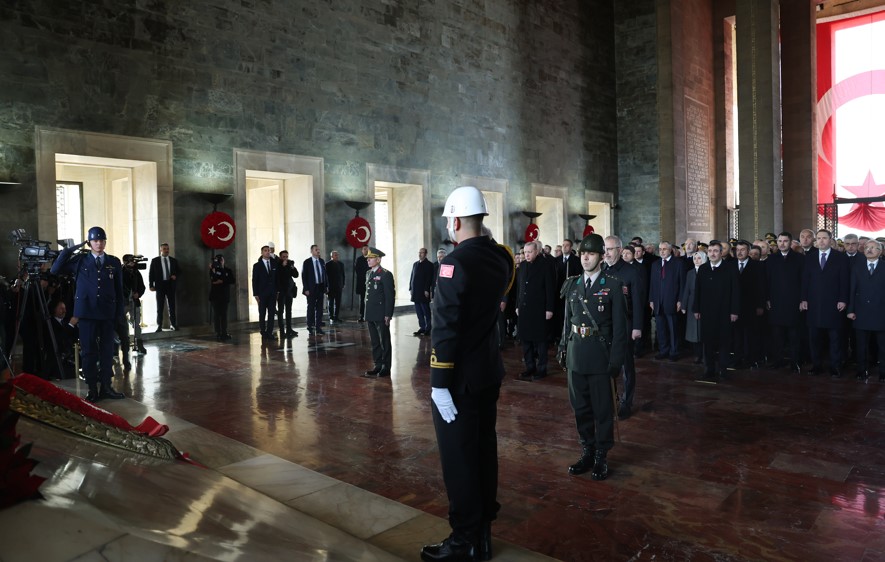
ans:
(741, 268)
(165, 269)
(98, 262)
(663, 273)
(316, 271)
(267, 265)
(872, 268)
(823, 259)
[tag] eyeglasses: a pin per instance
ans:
(615, 249)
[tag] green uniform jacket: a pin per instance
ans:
(602, 353)
(380, 293)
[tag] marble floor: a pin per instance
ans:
(309, 461)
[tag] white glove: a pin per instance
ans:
(443, 400)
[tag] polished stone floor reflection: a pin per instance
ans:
(766, 466)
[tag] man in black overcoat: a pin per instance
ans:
(748, 329)
(717, 304)
(534, 308)
(783, 276)
(420, 284)
(866, 305)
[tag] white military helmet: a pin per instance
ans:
(465, 201)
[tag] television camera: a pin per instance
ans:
(34, 254)
(135, 261)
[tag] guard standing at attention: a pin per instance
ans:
(465, 375)
(595, 332)
(98, 303)
(380, 292)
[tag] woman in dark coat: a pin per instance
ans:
(692, 324)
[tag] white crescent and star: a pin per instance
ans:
(365, 229)
(230, 231)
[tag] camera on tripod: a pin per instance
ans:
(136, 261)
(33, 254)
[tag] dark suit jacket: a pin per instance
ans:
(867, 296)
(824, 288)
(783, 283)
(308, 277)
(632, 278)
(537, 295)
(155, 272)
(717, 295)
(565, 269)
(360, 268)
(421, 280)
(286, 276)
(666, 290)
(752, 282)
(335, 269)
(264, 283)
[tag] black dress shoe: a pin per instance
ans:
(418, 333)
(526, 375)
(815, 371)
(600, 467)
(660, 356)
(111, 393)
(373, 372)
(384, 373)
(624, 412)
(539, 375)
(862, 376)
(450, 550)
(698, 360)
(320, 331)
(127, 365)
(584, 464)
(795, 368)
(836, 373)
(92, 396)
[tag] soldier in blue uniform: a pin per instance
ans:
(98, 303)
(465, 376)
(595, 333)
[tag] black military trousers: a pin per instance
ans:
(379, 332)
(862, 337)
(468, 451)
(219, 316)
(593, 402)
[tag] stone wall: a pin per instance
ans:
(522, 90)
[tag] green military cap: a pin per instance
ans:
(374, 253)
(770, 236)
(592, 243)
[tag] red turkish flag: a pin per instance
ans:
(588, 230)
(358, 232)
(218, 230)
(532, 232)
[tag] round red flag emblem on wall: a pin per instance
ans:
(218, 230)
(358, 232)
(589, 230)
(532, 232)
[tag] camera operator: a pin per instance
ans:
(221, 279)
(99, 302)
(133, 289)
(64, 328)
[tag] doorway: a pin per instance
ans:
(279, 209)
(550, 223)
(399, 231)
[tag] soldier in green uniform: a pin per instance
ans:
(380, 292)
(595, 333)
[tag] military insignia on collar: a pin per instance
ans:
(446, 270)
(602, 281)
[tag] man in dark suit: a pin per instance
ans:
(643, 262)
(162, 278)
(866, 305)
(360, 268)
(315, 281)
(825, 290)
(287, 273)
(97, 305)
(534, 308)
(748, 329)
(64, 328)
(783, 273)
(264, 289)
(854, 251)
(666, 280)
(335, 269)
(567, 264)
(380, 296)
(717, 304)
(466, 371)
(420, 283)
(440, 254)
(633, 291)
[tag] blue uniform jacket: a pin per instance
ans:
(99, 294)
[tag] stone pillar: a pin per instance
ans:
(799, 71)
(759, 142)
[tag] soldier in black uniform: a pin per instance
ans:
(595, 332)
(380, 293)
(466, 371)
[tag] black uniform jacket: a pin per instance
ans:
(472, 280)
(380, 294)
(595, 353)
(632, 278)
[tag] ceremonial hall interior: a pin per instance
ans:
(216, 126)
